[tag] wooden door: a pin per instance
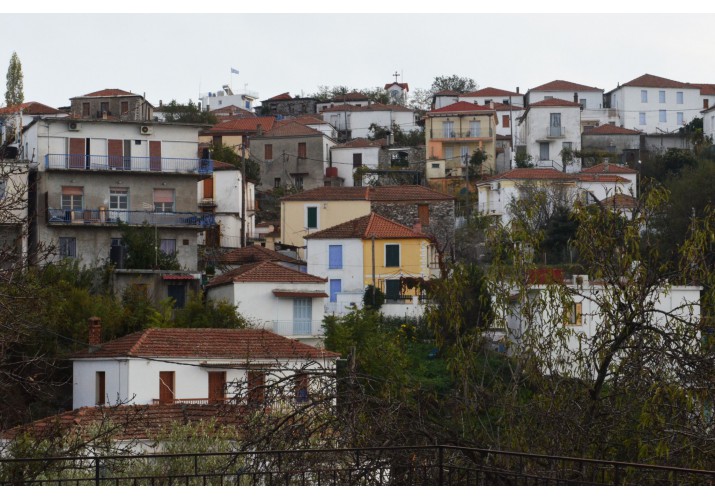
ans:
(166, 387)
(256, 387)
(155, 156)
(115, 150)
(217, 387)
(77, 156)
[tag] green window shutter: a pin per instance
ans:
(392, 255)
(312, 217)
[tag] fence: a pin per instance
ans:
(419, 465)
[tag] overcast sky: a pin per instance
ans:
(176, 56)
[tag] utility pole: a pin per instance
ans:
(374, 285)
(243, 191)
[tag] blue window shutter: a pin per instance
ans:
(335, 256)
(335, 287)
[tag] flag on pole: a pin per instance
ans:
(234, 71)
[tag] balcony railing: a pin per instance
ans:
(555, 131)
(298, 327)
(129, 164)
(102, 216)
(481, 135)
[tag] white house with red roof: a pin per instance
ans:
(373, 250)
(355, 121)
(14, 118)
(286, 301)
(548, 128)
(487, 95)
(195, 366)
(397, 92)
(348, 156)
(655, 105)
(709, 123)
(586, 96)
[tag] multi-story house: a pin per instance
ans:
(285, 105)
(292, 155)
(311, 211)
(373, 250)
(109, 163)
(349, 157)
(707, 94)
(655, 105)
(350, 98)
(490, 94)
(353, 122)
(236, 133)
(709, 122)
(590, 98)
(13, 119)
(620, 143)
(220, 99)
(454, 133)
(551, 129)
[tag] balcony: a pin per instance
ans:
(104, 217)
(100, 163)
(298, 328)
(555, 132)
(473, 135)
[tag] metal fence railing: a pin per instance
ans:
(417, 465)
(134, 217)
(129, 163)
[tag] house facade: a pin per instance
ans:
(349, 157)
(291, 303)
(709, 123)
(353, 122)
(285, 105)
(454, 132)
(95, 173)
(292, 155)
(236, 133)
(373, 250)
(653, 104)
(624, 144)
(487, 95)
(551, 127)
(192, 365)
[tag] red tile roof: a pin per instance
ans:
(564, 86)
(109, 93)
(619, 200)
(462, 107)
(130, 422)
(530, 174)
(362, 142)
(376, 106)
(610, 168)
(601, 178)
(255, 253)
(204, 343)
(285, 96)
(705, 88)
(30, 108)
(401, 85)
(609, 129)
(289, 128)
(264, 272)
(647, 80)
(370, 193)
(553, 103)
(222, 165)
(231, 110)
(366, 227)
(491, 92)
(243, 125)
(306, 119)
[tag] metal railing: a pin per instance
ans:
(413, 465)
(128, 164)
(297, 327)
(555, 131)
(98, 217)
(482, 135)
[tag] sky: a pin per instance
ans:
(177, 56)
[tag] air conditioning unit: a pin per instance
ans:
(74, 126)
(146, 130)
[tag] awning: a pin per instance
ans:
(300, 293)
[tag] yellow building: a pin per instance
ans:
(453, 133)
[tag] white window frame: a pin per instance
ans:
(642, 118)
(661, 96)
(662, 116)
(679, 98)
(644, 96)
(399, 255)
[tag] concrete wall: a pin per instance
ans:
(616, 143)
(286, 167)
(351, 273)
(537, 125)
(594, 99)
(342, 159)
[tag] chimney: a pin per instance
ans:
(575, 97)
(161, 104)
(517, 90)
(95, 331)
(417, 227)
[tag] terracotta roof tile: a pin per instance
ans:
(564, 86)
(255, 253)
(619, 200)
(30, 108)
(129, 422)
(264, 272)
(306, 119)
(462, 107)
(610, 168)
(222, 165)
(553, 103)
(647, 80)
(372, 193)
(362, 142)
(109, 93)
(243, 125)
(231, 111)
(446, 92)
(602, 178)
(289, 128)
(376, 106)
(609, 129)
(491, 92)
(401, 85)
(285, 96)
(204, 343)
(366, 227)
(531, 174)
(705, 88)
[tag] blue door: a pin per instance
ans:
(335, 288)
(302, 316)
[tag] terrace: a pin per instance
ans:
(150, 164)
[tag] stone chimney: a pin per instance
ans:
(417, 227)
(95, 331)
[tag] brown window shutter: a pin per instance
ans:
(423, 214)
(77, 158)
(209, 188)
(256, 387)
(217, 387)
(101, 389)
(155, 156)
(115, 150)
(505, 120)
(166, 387)
(268, 154)
(302, 150)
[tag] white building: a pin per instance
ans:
(14, 118)
(487, 95)
(549, 127)
(709, 123)
(289, 302)
(353, 154)
(195, 365)
(653, 104)
(587, 97)
(351, 98)
(355, 121)
(226, 97)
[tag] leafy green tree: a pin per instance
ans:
(143, 248)
(186, 113)
(14, 93)
(413, 138)
(201, 313)
(230, 155)
(456, 83)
